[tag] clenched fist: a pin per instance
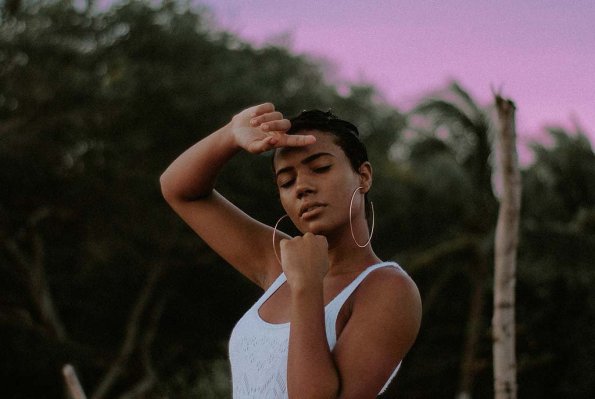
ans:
(304, 260)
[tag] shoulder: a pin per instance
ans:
(383, 325)
(388, 280)
(392, 292)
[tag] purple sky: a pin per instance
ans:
(540, 52)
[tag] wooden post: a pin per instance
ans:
(72, 382)
(503, 322)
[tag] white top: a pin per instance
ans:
(258, 349)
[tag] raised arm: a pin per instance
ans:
(188, 186)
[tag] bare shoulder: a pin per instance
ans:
(383, 325)
(392, 294)
(388, 283)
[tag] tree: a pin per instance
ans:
(451, 154)
(94, 106)
(556, 275)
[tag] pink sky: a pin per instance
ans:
(541, 52)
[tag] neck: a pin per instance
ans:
(345, 256)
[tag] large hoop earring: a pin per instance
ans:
(351, 224)
(274, 234)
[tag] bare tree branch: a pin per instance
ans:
(132, 336)
(31, 270)
(150, 378)
(72, 383)
(437, 286)
(432, 255)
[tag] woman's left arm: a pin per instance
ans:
(384, 322)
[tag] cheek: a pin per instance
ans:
(284, 198)
(343, 188)
(351, 191)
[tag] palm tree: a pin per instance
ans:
(453, 146)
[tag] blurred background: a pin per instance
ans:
(97, 98)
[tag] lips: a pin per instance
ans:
(306, 208)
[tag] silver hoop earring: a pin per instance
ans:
(274, 234)
(351, 224)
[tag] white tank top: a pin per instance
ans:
(258, 349)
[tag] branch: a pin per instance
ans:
(436, 288)
(443, 249)
(72, 383)
(144, 385)
(31, 270)
(132, 336)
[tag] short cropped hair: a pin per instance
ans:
(345, 133)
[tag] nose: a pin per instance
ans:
(303, 187)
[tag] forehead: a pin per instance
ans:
(325, 142)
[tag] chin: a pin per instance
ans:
(315, 227)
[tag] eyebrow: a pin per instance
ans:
(304, 161)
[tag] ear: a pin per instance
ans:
(365, 174)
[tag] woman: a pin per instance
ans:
(334, 321)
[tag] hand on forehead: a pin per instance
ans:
(324, 144)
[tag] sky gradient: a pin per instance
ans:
(541, 53)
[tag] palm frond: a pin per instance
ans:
(444, 112)
(461, 93)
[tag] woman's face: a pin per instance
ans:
(316, 183)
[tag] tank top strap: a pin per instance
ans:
(271, 290)
(333, 307)
(347, 291)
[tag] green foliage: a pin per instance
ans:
(95, 104)
(556, 268)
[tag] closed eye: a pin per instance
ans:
(286, 184)
(322, 169)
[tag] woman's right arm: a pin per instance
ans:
(188, 186)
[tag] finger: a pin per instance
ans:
(294, 140)
(269, 116)
(276, 125)
(263, 145)
(262, 109)
(322, 241)
(273, 123)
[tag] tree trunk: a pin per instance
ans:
(474, 326)
(503, 322)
